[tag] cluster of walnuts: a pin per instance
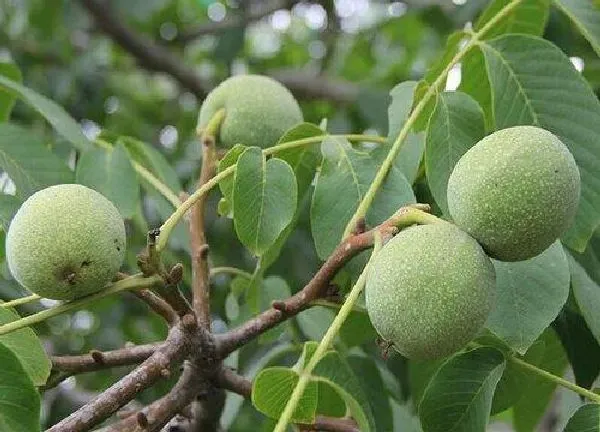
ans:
(429, 290)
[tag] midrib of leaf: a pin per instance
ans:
(516, 81)
(346, 158)
(24, 173)
(476, 396)
(377, 182)
(588, 36)
(263, 168)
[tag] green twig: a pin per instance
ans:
(327, 340)
(132, 282)
(555, 379)
(230, 270)
(160, 187)
(367, 200)
(168, 226)
(20, 301)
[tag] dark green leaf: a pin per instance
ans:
(372, 384)
(585, 419)
(547, 353)
(28, 349)
(302, 159)
(587, 295)
(9, 205)
(582, 348)
(529, 295)
(7, 100)
(54, 114)
(273, 387)
(586, 16)
(536, 392)
(534, 82)
(454, 127)
(110, 172)
(459, 396)
(19, 400)
(28, 162)
(264, 199)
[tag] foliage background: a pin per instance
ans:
(365, 47)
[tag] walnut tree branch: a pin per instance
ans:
(155, 57)
(262, 9)
(158, 305)
(172, 352)
(96, 360)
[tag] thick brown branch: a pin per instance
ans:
(171, 353)
(158, 305)
(156, 57)
(105, 359)
(236, 383)
(162, 410)
(262, 9)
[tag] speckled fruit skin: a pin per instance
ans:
(429, 291)
(258, 110)
(516, 191)
(65, 242)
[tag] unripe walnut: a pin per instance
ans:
(430, 290)
(65, 242)
(258, 111)
(516, 191)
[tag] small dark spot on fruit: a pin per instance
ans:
(86, 263)
(555, 171)
(67, 274)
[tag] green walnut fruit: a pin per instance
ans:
(258, 111)
(430, 290)
(65, 242)
(516, 191)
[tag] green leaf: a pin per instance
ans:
(547, 353)
(7, 100)
(342, 182)
(335, 371)
(585, 14)
(528, 17)
(370, 380)
(273, 387)
(28, 162)
(28, 348)
(110, 172)
(459, 396)
(54, 114)
(19, 400)
(585, 419)
(226, 185)
(587, 295)
(529, 296)
(456, 125)
(302, 159)
(534, 82)
(264, 199)
(536, 392)
(411, 153)
(9, 205)
(151, 159)
(581, 346)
